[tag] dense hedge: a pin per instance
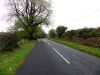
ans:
(8, 41)
(84, 33)
(86, 36)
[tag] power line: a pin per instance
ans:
(91, 13)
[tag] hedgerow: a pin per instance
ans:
(8, 41)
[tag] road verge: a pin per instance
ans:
(90, 50)
(11, 61)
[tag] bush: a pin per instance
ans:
(8, 41)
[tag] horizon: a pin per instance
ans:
(72, 14)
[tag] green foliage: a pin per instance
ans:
(52, 33)
(11, 61)
(27, 32)
(61, 30)
(70, 34)
(84, 33)
(40, 33)
(43, 35)
(30, 15)
(21, 34)
(8, 41)
(88, 32)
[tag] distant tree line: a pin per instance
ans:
(84, 33)
(87, 36)
(61, 32)
(58, 32)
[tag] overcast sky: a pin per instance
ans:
(74, 14)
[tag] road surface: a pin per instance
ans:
(51, 58)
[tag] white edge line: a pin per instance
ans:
(61, 56)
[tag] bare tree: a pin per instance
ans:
(30, 13)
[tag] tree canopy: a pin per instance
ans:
(61, 30)
(29, 14)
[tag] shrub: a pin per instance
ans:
(8, 41)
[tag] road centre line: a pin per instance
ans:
(61, 56)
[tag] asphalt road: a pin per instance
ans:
(51, 58)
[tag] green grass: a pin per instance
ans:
(10, 61)
(90, 50)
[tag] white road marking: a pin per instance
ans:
(61, 56)
(57, 52)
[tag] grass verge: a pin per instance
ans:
(90, 50)
(10, 61)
